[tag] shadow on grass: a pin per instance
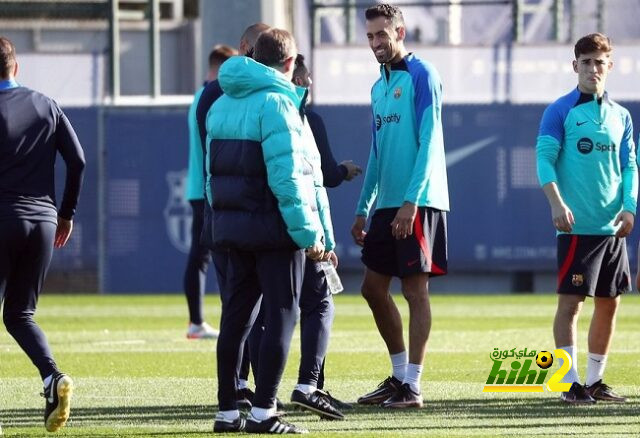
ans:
(100, 415)
(543, 407)
(497, 413)
(461, 414)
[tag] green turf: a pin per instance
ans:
(136, 374)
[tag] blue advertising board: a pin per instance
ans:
(499, 219)
(81, 251)
(148, 217)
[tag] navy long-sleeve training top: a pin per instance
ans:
(32, 129)
(332, 172)
(209, 95)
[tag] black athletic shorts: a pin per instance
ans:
(423, 251)
(593, 265)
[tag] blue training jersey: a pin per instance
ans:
(407, 160)
(585, 145)
(195, 173)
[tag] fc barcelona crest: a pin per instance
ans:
(577, 280)
(177, 212)
(397, 92)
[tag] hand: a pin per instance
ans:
(357, 230)
(353, 170)
(315, 251)
(402, 224)
(562, 218)
(626, 220)
(333, 258)
(63, 232)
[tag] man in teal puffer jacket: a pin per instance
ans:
(267, 210)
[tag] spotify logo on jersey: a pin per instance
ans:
(585, 145)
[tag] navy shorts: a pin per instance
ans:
(593, 265)
(423, 251)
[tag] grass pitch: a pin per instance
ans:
(137, 375)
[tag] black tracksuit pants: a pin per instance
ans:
(26, 248)
(195, 273)
(278, 275)
(316, 318)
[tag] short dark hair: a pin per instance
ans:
(219, 54)
(7, 58)
(300, 66)
(386, 10)
(274, 46)
(594, 42)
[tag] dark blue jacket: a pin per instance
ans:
(332, 172)
(33, 129)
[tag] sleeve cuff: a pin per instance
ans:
(343, 171)
(66, 214)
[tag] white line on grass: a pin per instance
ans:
(129, 342)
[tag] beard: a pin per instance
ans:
(383, 57)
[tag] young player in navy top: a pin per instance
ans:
(316, 300)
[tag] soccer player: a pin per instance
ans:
(316, 299)
(33, 129)
(407, 175)
(199, 255)
(267, 211)
(587, 170)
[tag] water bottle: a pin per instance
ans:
(333, 279)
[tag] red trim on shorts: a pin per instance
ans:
(422, 241)
(568, 260)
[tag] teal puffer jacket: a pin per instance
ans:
(260, 163)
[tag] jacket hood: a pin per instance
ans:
(240, 76)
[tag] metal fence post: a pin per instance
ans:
(101, 188)
(154, 48)
(558, 14)
(517, 20)
(600, 16)
(114, 50)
